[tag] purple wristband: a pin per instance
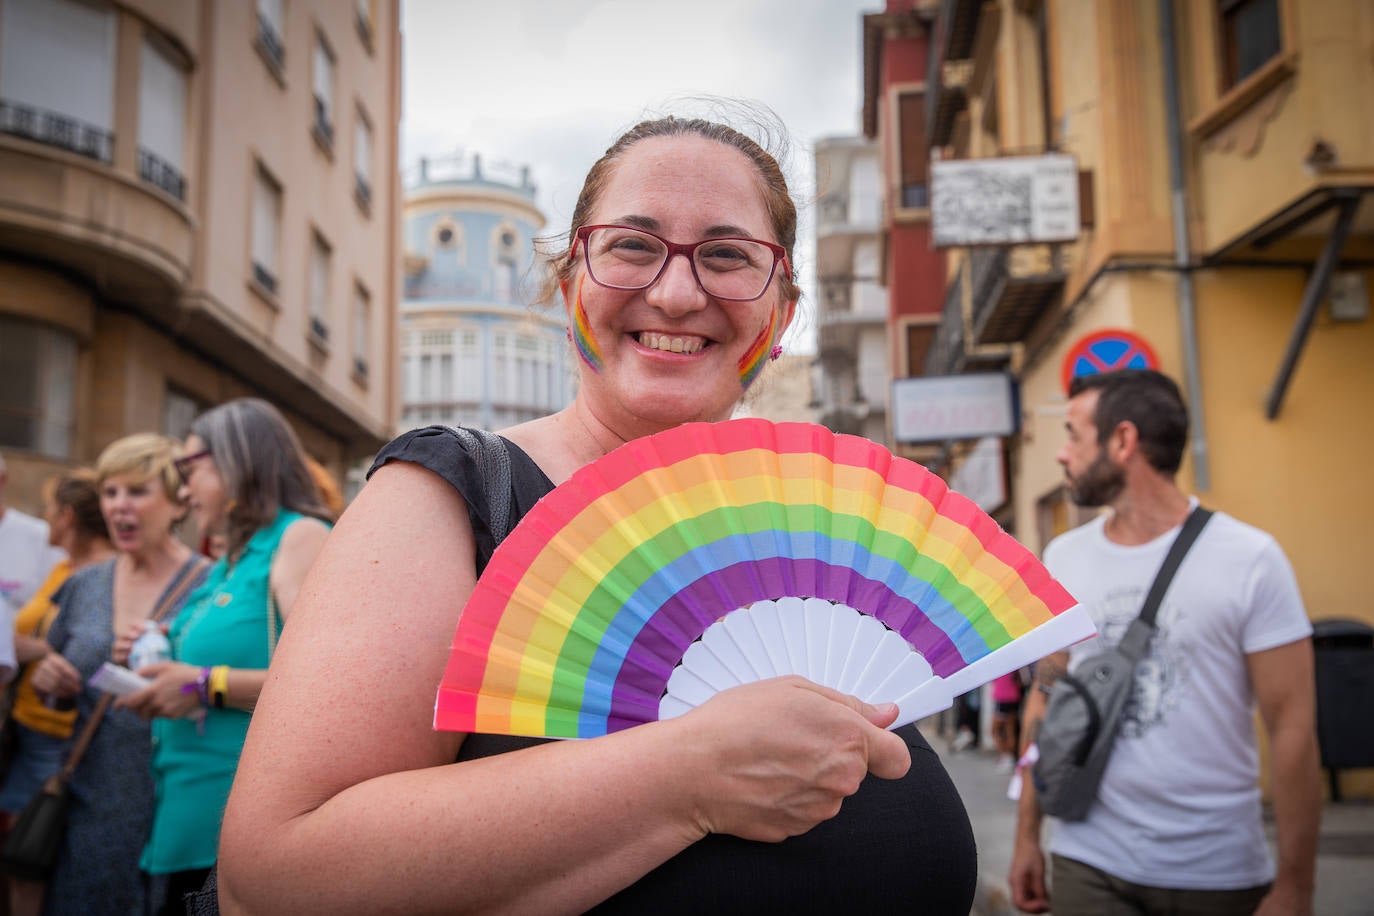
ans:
(200, 687)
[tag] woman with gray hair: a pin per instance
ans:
(243, 471)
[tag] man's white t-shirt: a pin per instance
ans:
(1179, 804)
(26, 558)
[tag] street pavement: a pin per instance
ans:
(1345, 852)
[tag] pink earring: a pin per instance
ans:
(776, 352)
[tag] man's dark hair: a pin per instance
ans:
(1148, 399)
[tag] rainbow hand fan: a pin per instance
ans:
(716, 554)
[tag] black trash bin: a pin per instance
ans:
(1344, 652)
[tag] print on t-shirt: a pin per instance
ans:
(1159, 678)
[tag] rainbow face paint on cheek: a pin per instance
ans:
(582, 333)
(751, 363)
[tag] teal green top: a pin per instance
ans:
(230, 620)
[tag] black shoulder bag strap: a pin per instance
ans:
(1137, 639)
(493, 464)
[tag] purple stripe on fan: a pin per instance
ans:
(683, 618)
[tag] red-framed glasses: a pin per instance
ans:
(184, 463)
(733, 269)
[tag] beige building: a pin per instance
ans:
(198, 200)
(1229, 160)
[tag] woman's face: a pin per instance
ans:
(671, 353)
(138, 513)
(203, 486)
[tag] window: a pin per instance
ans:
(1251, 36)
(323, 126)
(362, 19)
(266, 229)
(269, 39)
(37, 397)
(161, 118)
(320, 256)
(362, 161)
(913, 183)
(57, 80)
(179, 411)
(362, 322)
(504, 241)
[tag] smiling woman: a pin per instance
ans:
(677, 283)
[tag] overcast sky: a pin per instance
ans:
(550, 84)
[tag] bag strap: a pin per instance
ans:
(170, 599)
(83, 741)
(1137, 638)
(493, 465)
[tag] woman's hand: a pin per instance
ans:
(56, 677)
(783, 754)
(119, 652)
(165, 697)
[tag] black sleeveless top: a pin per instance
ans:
(902, 845)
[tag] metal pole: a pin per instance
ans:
(1187, 312)
(1311, 299)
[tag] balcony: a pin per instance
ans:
(362, 193)
(264, 278)
(63, 203)
(323, 126)
(54, 129)
(269, 45)
(161, 174)
(949, 67)
(1012, 288)
(947, 347)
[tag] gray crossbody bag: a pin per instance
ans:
(1081, 721)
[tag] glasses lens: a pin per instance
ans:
(727, 268)
(734, 268)
(624, 258)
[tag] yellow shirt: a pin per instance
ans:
(34, 620)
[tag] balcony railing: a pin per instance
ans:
(161, 173)
(1012, 288)
(270, 43)
(360, 367)
(955, 28)
(362, 190)
(264, 277)
(323, 126)
(56, 129)
(318, 329)
(947, 346)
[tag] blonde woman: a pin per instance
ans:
(112, 791)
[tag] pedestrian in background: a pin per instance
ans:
(26, 558)
(1176, 826)
(1006, 718)
(111, 793)
(244, 474)
(40, 732)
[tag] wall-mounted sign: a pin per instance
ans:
(1012, 201)
(1107, 351)
(981, 476)
(936, 408)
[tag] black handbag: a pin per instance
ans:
(30, 850)
(1079, 728)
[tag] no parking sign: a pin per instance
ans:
(1107, 351)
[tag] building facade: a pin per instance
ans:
(1226, 159)
(896, 45)
(198, 201)
(476, 349)
(852, 313)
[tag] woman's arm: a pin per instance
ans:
(30, 648)
(347, 800)
(169, 695)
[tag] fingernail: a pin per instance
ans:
(886, 708)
